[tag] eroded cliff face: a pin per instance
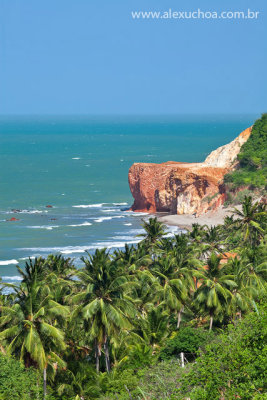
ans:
(225, 156)
(184, 188)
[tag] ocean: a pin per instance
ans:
(79, 166)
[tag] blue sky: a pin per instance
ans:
(91, 57)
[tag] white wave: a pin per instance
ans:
(120, 204)
(83, 224)
(66, 249)
(26, 258)
(11, 278)
(111, 245)
(137, 214)
(72, 251)
(78, 249)
(90, 205)
(172, 230)
(136, 231)
(128, 224)
(26, 211)
(108, 218)
(109, 210)
(126, 238)
(76, 158)
(47, 227)
(8, 262)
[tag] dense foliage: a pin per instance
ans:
(16, 382)
(233, 365)
(116, 328)
(252, 158)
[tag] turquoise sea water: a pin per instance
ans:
(79, 165)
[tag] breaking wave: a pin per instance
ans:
(86, 223)
(11, 278)
(47, 227)
(98, 205)
(8, 262)
(101, 219)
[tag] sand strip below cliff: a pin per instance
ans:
(185, 221)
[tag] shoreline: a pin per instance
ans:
(185, 221)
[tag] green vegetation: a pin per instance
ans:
(252, 171)
(233, 365)
(116, 328)
(17, 382)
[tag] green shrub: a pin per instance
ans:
(187, 340)
(18, 383)
(157, 382)
(252, 158)
(233, 365)
(139, 356)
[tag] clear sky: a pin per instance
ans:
(92, 57)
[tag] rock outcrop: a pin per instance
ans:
(225, 156)
(184, 188)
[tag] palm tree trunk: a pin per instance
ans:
(211, 322)
(179, 317)
(44, 377)
(96, 356)
(106, 350)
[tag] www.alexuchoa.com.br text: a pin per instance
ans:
(195, 14)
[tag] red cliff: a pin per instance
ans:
(184, 188)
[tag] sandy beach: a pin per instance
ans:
(185, 221)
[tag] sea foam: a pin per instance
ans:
(79, 249)
(27, 212)
(98, 205)
(47, 227)
(8, 262)
(101, 219)
(86, 223)
(11, 278)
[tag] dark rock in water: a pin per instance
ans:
(12, 219)
(14, 210)
(49, 206)
(53, 219)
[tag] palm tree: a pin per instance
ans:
(174, 284)
(249, 220)
(59, 273)
(196, 243)
(197, 233)
(242, 293)
(212, 240)
(228, 221)
(132, 258)
(62, 267)
(153, 327)
(143, 292)
(33, 273)
(214, 291)
(102, 301)
(27, 329)
(254, 269)
(154, 231)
